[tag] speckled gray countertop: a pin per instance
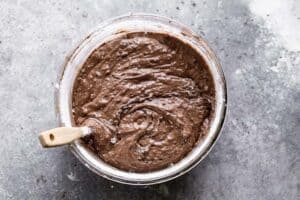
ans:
(257, 156)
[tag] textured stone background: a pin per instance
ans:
(257, 156)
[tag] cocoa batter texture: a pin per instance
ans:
(149, 98)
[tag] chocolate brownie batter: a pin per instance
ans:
(149, 98)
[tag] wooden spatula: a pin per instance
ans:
(63, 135)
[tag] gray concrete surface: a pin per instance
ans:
(257, 156)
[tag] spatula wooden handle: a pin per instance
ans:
(62, 135)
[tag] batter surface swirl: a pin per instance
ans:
(149, 96)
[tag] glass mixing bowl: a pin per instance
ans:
(106, 31)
